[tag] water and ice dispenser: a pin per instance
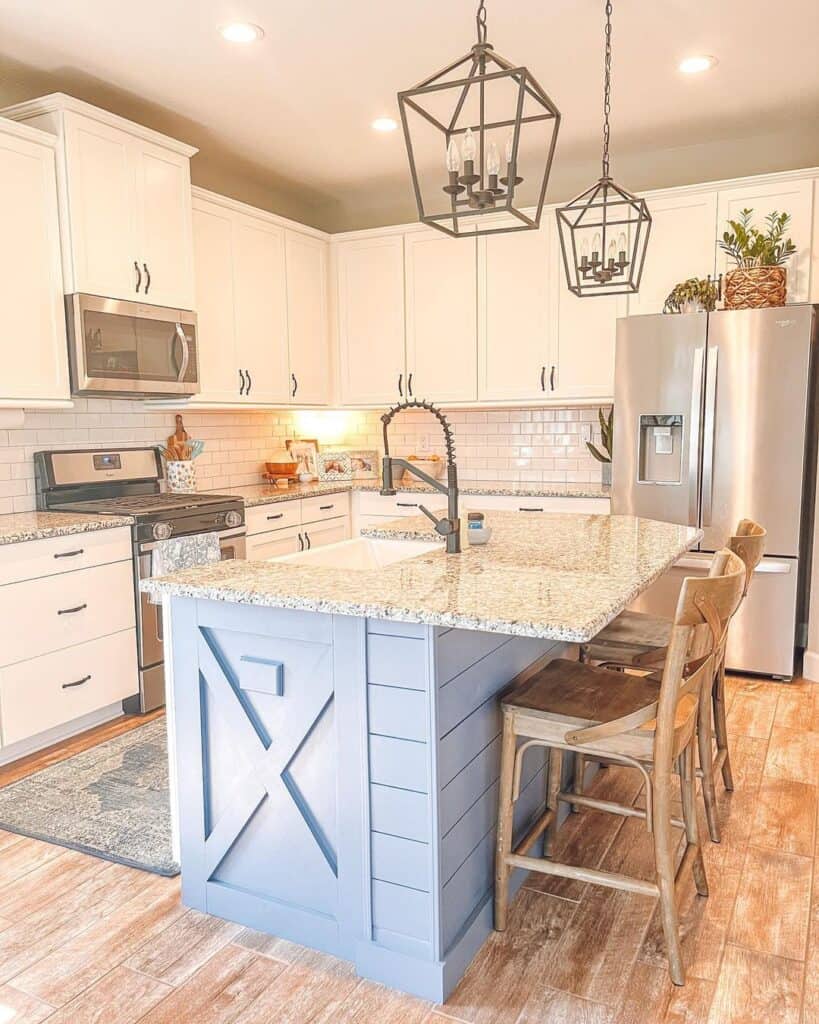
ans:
(660, 449)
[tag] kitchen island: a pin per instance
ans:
(336, 725)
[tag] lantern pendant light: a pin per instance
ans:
(458, 122)
(604, 231)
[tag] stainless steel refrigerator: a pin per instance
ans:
(715, 421)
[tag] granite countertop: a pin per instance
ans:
(21, 526)
(264, 494)
(562, 576)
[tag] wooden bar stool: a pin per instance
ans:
(639, 641)
(625, 719)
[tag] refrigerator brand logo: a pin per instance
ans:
(785, 323)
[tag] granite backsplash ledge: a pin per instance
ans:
(515, 445)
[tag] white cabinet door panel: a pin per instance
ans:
(370, 275)
(274, 543)
(316, 535)
(213, 255)
(308, 329)
(681, 245)
(515, 317)
(441, 290)
(163, 200)
(32, 318)
(794, 197)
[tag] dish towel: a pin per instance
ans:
(184, 553)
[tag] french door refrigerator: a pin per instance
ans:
(715, 421)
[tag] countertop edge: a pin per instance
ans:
(10, 534)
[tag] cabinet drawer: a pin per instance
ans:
(34, 558)
(510, 503)
(324, 506)
(53, 612)
(276, 516)
(402, 504)
(38, 694)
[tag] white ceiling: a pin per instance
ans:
(298, 104)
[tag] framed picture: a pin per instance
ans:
(304, 451)
(364, 463)
(334, 466)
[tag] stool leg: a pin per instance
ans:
(552, 803)
(706, 749)
(688, 789)
(665, 871)
(506, 811)
(579, 778)
(721, 726)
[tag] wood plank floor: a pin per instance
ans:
(83, 941)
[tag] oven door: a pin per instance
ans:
(149, 616)
(130, 348)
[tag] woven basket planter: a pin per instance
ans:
(756, 288)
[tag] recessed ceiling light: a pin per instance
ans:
(694, 65)
(242, 32)
(384, 124)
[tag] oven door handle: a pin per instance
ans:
(149, 546)
(186, 352)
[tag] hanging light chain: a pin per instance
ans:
(607, 92)
(480, 21)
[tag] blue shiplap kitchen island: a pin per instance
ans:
(337, 730)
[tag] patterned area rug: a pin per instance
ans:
(111, 801)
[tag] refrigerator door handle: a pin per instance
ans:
(708, 439)
(694, 439)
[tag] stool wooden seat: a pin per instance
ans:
(626, 719)
(638, 640)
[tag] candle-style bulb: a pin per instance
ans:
(492, 159)
(470, 146)
(453, 156)
(584, 250)
(510, 148)
(621, 242)
(596, 243)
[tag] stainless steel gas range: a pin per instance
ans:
(129, 482)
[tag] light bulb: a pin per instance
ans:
(453, 157)
(612, 255)
(470, 146)
(584, 250)
(621, 242)
(510, 148)
(596, 245)
(492, 159)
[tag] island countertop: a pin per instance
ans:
(561, 576)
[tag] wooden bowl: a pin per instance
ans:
(281, 468)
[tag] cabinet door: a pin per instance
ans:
(681, 245)
(794, 197)
(261, 308)
(583, 337)
(213, 255)
(316, 535)
(514, 314)
(274, 543)
(441, 291)
(163, 204)
(308, 337)
(32, 319)
(101, 199)
(370, 275)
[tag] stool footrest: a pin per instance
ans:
(539, 827)
(609, 879)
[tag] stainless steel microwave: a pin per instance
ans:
(130, 349)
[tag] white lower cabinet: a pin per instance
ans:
(285, 541)
(287, 527)
(331, 531)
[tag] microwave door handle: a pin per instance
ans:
(709, 440)
(186, 353)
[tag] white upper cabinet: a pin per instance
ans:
(370, 304)
(33, 351)
(441, 320)
(216, 329)
(515, 315)
(125, 203)
(308, 327)
(793, 196)
(681, 245)
(260, 296)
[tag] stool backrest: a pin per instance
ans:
(704, 610)
(749, 543)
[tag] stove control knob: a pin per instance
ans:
(233, 518)
(162, 531)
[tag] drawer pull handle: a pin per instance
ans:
(523, 508)
(77, 682)
(325, 508)
(280, 515)
(70, 611)
(407, 504)
(69, 554)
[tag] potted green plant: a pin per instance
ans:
(695, 295)
(760, 278)
(606, 442)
